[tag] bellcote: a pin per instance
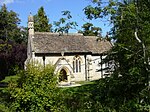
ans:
(30, 18)
(31, 24)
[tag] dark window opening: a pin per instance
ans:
(63, 75)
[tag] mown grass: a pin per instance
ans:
(85, 82)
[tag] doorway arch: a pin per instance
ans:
(63, 75)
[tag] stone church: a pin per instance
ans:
(75, 57)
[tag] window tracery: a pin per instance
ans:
(76, 64)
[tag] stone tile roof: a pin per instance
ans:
(97, 45)
(53, 43)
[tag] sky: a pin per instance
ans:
(53, 10)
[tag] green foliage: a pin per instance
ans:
(36, 90)
(3, 108)
(90, 30)
(101, 9)
(12, 55)
(126, 90)
(92, 12)
(103, 95)
(130, 52)
(8, 79)
(41, 21)
(67, 13)
(64, 24)
(12, 42)
(9, 29)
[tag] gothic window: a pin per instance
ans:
(76, 64)
(73, 67)
(79, 65)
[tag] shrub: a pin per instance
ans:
(36, 90)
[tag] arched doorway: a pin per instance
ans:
(63, 75)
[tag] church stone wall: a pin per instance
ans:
(92, 66)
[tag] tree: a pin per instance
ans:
(41, 21)
(9, 22)
(12, 42)
(90, 30)
(131, 50)
(64, 24)
(12, 55)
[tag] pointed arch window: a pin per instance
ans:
(79, 65)
(73, 67)
(76, 64)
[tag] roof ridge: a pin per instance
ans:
(50, 33)
(91, 37)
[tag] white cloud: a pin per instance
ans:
(6, 1)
